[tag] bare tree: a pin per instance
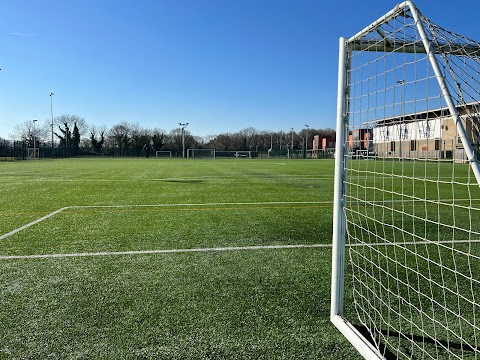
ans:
(159, 138)
(222, 142)
(66, 120)
(26, 131)
(174, 139)
(120, 137)
(139, 139)
(97, 138)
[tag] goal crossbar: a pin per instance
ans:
(418, 47)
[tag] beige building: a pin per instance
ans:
(432, 134)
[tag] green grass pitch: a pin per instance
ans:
(251, 303)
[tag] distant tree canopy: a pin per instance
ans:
(69, 121)
(74, 136)
(28, 130)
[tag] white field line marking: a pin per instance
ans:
(164, 251)
(216, 249)
(205, 204)
(32, 223)
(23, 227)
(298, 177)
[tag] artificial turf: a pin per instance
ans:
(239, 304)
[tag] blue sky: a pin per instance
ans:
(220, 65)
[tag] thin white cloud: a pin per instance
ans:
(19, 34)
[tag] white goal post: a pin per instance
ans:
(406, 228)
(163, 154)
(201, 153)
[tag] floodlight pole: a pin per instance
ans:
(271, 145)
(183, 138)
(34, 137)
(306, 141)
(51, 113)
(291, 145)
(402, 108)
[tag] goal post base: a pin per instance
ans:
(362, 345)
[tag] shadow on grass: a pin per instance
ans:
(389, 355)
(185, 181)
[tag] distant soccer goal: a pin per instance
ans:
(406, 231)
(33, 153)
(201, 153)
(163, 154)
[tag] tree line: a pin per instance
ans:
(74, 136)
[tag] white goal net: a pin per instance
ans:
(201, 153)
(163, 154)
(406, 242)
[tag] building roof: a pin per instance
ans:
(470, 108)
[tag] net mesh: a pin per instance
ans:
(163, 154)
(201, 153)
(412, 201)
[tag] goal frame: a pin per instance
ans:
(191, 153)
(359, 341)
(163, 152)
(33, 153)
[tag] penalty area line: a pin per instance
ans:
(164, 251)
(26, 226)
(32, 223)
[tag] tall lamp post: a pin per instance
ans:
(34, 140)
(291, 145)
(306, 140)
(271, 145)
(183, 137)
(51, 113)
(402, 109)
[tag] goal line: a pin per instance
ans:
(196, 250)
